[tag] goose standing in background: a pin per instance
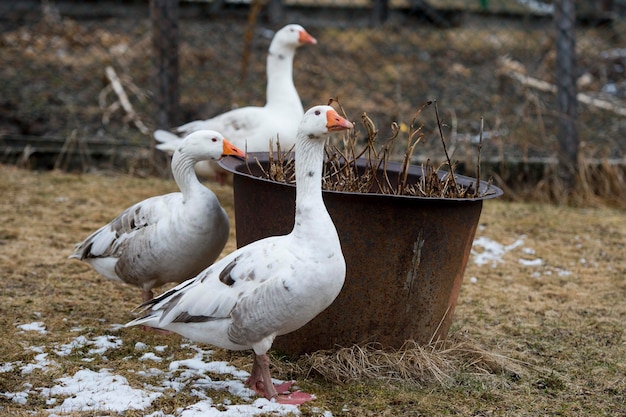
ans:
(167, 238)
(251, 128)
(272, 286)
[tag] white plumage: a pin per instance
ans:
(251, 128)
(272, 286)
(167, 238)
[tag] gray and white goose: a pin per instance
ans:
(272, 286)
(166, 238)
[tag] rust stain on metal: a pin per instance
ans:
(413, 269)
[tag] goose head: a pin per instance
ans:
(291, 37)
(319, 121)
(208, 145)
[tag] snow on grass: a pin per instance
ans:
(77, 343)
(20, 397)
(492, 251)
(103, 391)
(531, 262)
(103, 343)
(150, 356)
(36, 326)
(191, 369)
(41, 362)
(488, 251)
(259, 406)
(99, 345)
(87, 390)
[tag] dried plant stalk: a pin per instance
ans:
(343, 173)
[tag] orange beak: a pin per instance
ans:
(230, 149)
(304, 37)
(335, 122)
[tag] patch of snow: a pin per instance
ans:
(141, 346)
(150, 356)
(200, 367)
(563, 272)
(150, 372)
(531, 262)
(195, 367)
(492, 251)
(206, 408)
(36, 349)
(99, 344)
(20, 397)
(87, 390)
(6, 367)
(41, 362)
(77, 343)
(159, 414)
(36, 326)
(104, 343)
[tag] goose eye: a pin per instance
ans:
(213, 139)
(317, 112)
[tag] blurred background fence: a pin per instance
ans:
(84, 83)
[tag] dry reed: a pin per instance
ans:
(349, 169)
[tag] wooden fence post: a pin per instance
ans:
(164, 18)
(565, 76)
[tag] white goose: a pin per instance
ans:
(272, 286)
(167, 238)
(251, 128)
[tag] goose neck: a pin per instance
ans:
(309, 160)
(280, 86)
(184, 174)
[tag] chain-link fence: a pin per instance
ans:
(80, 80)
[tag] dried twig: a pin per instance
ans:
(515, 70)
(123, 101)
(443, 142)
(480, 147)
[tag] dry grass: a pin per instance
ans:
(526, 340)
(436, 364)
